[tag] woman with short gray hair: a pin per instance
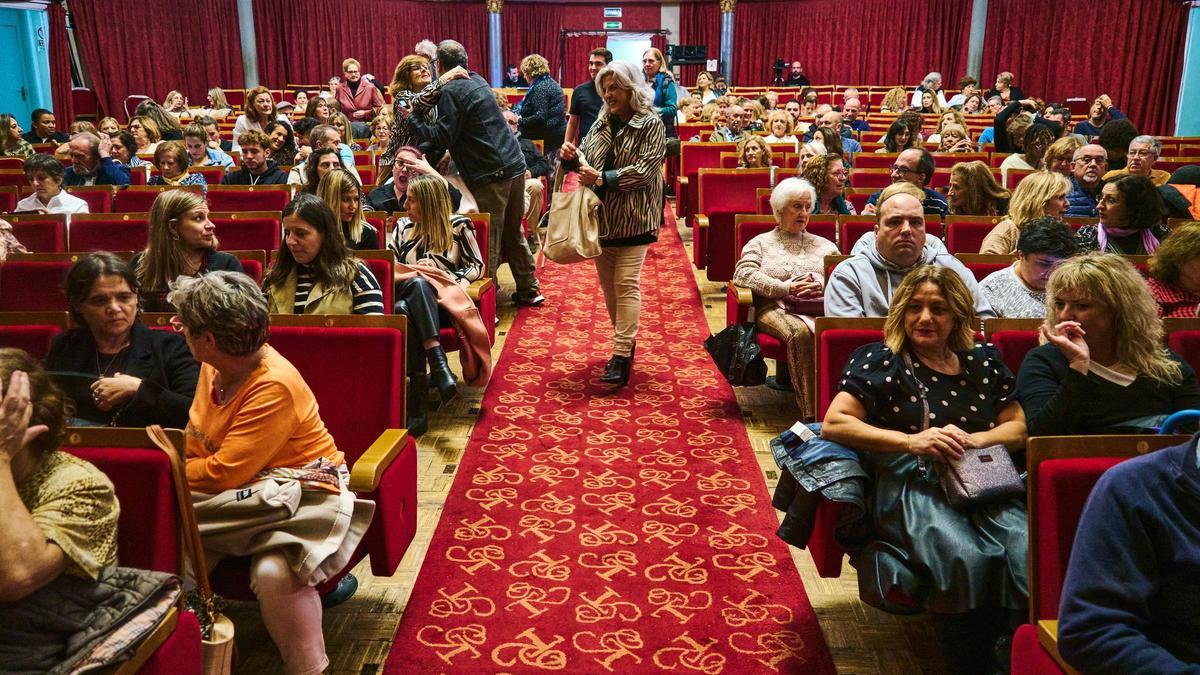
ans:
(621, 159)
(254, 417)
(785, 269)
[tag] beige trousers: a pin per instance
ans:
(795, 335)
(534, 198)
(620, 271)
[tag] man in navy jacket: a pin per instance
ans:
(91, 163)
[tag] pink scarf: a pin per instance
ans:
(1149, 241)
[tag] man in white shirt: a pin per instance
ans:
(45, 176)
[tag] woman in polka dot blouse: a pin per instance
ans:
(966, 566)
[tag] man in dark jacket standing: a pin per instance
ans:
(469, 124)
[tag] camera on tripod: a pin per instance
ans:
(777, 79)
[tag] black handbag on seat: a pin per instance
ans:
(737, 355)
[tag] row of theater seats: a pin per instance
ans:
(139, 198)
(362, 403)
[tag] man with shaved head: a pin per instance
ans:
(1088, 166)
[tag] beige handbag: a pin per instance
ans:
(217, 632)
(573, 234)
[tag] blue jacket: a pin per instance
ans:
(110, 172)
(664, 101)
(1131, 601)
(1081, 202)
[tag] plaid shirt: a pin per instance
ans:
(1173, 303)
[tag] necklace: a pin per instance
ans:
(103, 372)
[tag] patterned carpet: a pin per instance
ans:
(597, 531)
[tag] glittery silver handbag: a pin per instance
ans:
(982, 475)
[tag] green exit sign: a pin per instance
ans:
(612, 25)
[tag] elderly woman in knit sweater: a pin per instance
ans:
(785, 270)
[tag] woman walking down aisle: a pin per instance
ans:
(621, 159)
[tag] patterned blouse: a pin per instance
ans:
(21, 149)
(74, 504)
(463, 260)
(190, 179)
(404, 103)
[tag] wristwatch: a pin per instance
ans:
(600, 180)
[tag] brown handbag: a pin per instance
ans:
(983, 475)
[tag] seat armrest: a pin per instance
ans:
(701, 221)
(149, 644)
(1047, 632)
(477, 287)
(745, 297)
(738, 301)
(682, 180)
(366, 473)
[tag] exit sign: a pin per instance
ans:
(612, 25)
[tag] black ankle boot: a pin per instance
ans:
(617, 370)
(418, 418)
(440, 375)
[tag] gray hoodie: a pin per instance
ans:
(862, 285)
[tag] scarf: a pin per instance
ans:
(178, 180)
(1149, 241)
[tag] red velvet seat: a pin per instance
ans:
(28, 285)
(724, 193)
(1014, 345)
(109, 232)
(870, 178)
(965, 234)
(381, 263)
(947, 160)
(40, 233)
(361, 401)
(31, 332)
(98, 197)
(1186, 343)
(692, 158)
(8, 198)
(248, 197)
(248, 230)
(139, 198)
(738, 300)
(875, 160)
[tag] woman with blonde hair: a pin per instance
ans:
(894, 101)
(343, 194)
(218, 108)
(1103, 368)
(260, 109)
(827, 174)
(109, 126)
(414, 91)
(172, 161)
(954, 138)
(1041, 194)
(930, 104)
(654, 67)
(1060, 156)
(176, 105)
(808, 151)
(182, 243)
(973, 191)
(704, 87)
(950, 116)
(779, 128)
(146, 134)
(544, 108)
(754, 153)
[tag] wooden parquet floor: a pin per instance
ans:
(358, 633)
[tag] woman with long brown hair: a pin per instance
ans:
(973, 191)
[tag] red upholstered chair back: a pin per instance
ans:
(248, 198)
(139, 198)
(836, 339)
(946, 160)
(8, 198)
(1186, 343)
(110, 232)
(1015, 176)
(854, 227)
(381, 265)
(875, 160)
(32, 339)
(749, 227)
(40, 233)
(731, 190)
(98, 197)
(1014, 345)
(965, 234)
(148, 529)
(253, 230)
(482, 223)
(359, 396)
(32, 286)
(696, 156)
(870, 178)
(14, 177)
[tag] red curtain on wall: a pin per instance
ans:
(699, 24)
(1131, 50)
(853, 41)
(575, 58)
(60, 63)
(305, 41)
(532, 29)
(154, 46)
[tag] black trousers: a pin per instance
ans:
(416, 299)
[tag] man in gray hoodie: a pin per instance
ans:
(862, 285)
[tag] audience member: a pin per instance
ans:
(586, 103)
(1101, 111)
(1175, 273)
(172, 161)
(168, 124)
(431, 236)
(108, 125)
(357, 99)
(299, 104)
(1131, 211)
(314, 271)
(1060, 156)
(832, 120)
(195, 141)
(513, 78)
(630, 184)
(260, 110)
(1041, 194)
(954, 138)
(894, 101)
(543, 110)
(1103, 369)
(391, 196)
(536, 167)
(753, 153)
(926, 394)
(967, 87)
(142, 376)
(929, 104)
(256, 168)
(1013, 122)
(346, 144)
(704, 87)
(734, 129)
(308, 174)
(489, 158)
(828, 140)
(973, 191)
(319, 109)
(947, 117)
(45, 175)
(1115, 138)
(1142, 154)
(932, 85)
(807, 152)
(283, 143)
(12, 144)
(1019, 290)
(253, 414)
(898, 138)
(343, 194)
(381, 133)
(914, 166)
(175, 104)
(146, 135)
(796, 76)
(1089, 164)
(218, 108)
(1038, 138)
(808, 103)
(788, 263)
(974, 105)
(862, 285)
(1004, 88)
(323, 136)
(124, 151)
(91, 163)
(214, 134)
(1181, 194)
(182, 243)
(779, 128)
(827, 175)
(43, 128)
(1129, 597)
(792, 108)
(654, 67)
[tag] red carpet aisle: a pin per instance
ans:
(592, 532)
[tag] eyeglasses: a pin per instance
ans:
(176, 324)
(1091, 160)
(896, 168)
(1140, 153)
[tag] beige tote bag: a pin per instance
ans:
(573, 234)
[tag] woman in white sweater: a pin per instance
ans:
(785, 270)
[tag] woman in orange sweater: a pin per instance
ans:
(254, 424)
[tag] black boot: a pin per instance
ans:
(617, 370)
(418, 418)
(440, 375)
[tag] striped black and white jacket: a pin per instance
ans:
(633, 177)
